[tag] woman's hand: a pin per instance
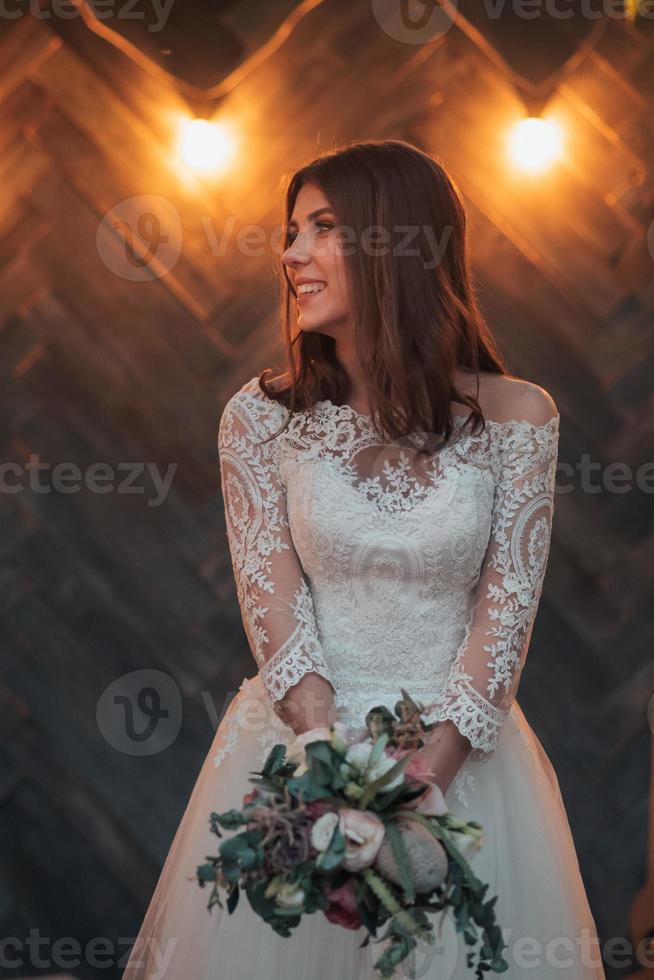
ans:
(308, 704)
(444, 752)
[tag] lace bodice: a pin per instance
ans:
(354, 559)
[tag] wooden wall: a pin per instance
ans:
(102, 368)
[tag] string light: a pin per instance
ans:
(534, 144)
(205, 147)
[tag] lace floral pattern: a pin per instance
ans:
(356, 560)
(481, 688)
(274, 598)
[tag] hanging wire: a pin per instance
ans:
(215, 92)
(534, 94)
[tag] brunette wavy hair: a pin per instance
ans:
(414, 322)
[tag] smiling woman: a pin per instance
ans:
(382, 229)
(370, 558)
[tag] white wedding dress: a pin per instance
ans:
(354, 559)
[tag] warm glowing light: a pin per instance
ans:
(535, 144)
(204, 147)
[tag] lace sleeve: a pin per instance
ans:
(485, 674)
(274, 597)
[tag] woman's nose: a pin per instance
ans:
(297, 251)
(295, 256)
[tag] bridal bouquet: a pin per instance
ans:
(345, 823)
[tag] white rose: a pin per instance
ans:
(358, 755)
(341, 736)
(289, 896)
(383, 765)
(323, 830)
(295, 752)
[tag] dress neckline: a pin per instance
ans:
(458, 419)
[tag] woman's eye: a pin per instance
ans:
(322, 225)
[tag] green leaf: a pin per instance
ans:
(308, 787)
(386, 798)
(231, 871)
(229, 820)
(232, 899)
(377, 750)
(235, 848)
(333, 856)
(320, 762)
(321, 749)
(275, 760)
(373, 788)
(262, 905)
(206, 872)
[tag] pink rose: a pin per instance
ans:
(431, 803)
(343, 910)
(363, 833)
(419, 769)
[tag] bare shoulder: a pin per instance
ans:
(504, 398)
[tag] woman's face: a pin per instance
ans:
(314, 255)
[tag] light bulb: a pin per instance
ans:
(204, 147)
(535, 144)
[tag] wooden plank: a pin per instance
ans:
(20, 230)
(604, 88)
(130, 146)
(526, 213)
(24, 108)
(25, 45)
(85, 168)
(21, 166)
(137, 314)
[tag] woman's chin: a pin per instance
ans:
(316, 326)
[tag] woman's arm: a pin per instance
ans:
(486, 671)
(273, 593)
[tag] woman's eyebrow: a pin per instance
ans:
(314, 214)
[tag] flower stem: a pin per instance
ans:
(388, 900)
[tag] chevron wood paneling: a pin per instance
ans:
(101, 369)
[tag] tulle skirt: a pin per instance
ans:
(528, 859)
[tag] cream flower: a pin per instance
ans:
(382, 766)
(342, 735)
(358, 756)
(323, 830)
(290, 896)
(363, 833)
(295, 752)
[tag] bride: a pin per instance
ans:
(388, 505)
